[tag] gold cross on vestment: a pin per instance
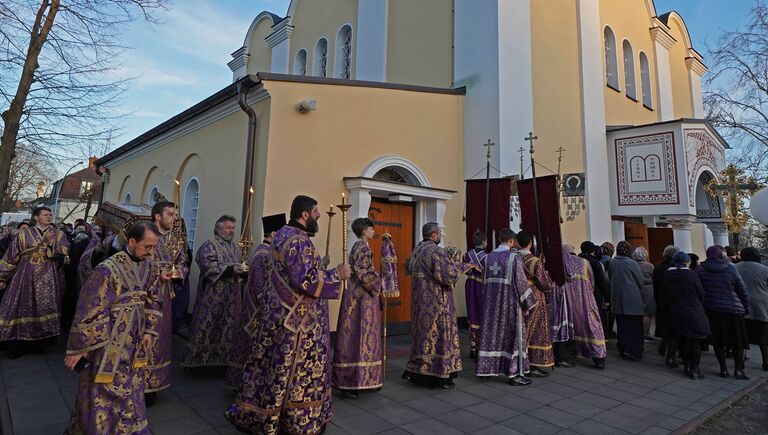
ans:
(302, 310)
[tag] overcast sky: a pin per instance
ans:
(184, 60)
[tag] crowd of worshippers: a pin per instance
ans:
(263, 322)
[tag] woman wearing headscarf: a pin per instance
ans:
(755, 276)
(640, 254)
(627, 302)
(688, 320)
(726, 302)
(576, 327)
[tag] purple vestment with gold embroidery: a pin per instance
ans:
(539, 333)
(474, 294)
(117, 305)
(357, 359)
(503, 349)
(248, 316)
(31, 305)
(286, 385)
(170, 249)
(219, 294)
(579, 293)
(435, 348)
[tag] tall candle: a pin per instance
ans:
(176, 192)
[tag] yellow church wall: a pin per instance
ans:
(681, 84)
(419, 42)
(313, 20)
(310, 154)
(261, 53)
(629, 21)
(213, 154)
(557, 96)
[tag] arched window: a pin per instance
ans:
(300, 63)
(611, 63)
(396, 174)
(645, 81)
(189, 209)
(127, 198)
(320, 59)
(151, 197)
(342, 64)
(629, 70)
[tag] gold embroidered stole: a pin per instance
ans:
(129, 308)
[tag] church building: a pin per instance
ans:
(391, 101)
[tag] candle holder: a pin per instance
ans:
(245, 245)
(344, 207)
(330, 214)
(176, 226)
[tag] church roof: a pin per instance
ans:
(611, 128)
(250, 81)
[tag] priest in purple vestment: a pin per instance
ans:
(116, 320)
(587, 339)
(219, 294)
(286, 385)
(503, 347)
(171, 250)
(357, 359)
(539, 337)
(473, 289)
(249, 312)
(30, 310)
(435, 354)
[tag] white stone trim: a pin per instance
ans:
(283, 31)
(658, 34)
(392, 160)
(597, 188)
(371, 48)
(209, 117)
(664, 93)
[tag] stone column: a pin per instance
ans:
(719, 233)
(681, 230)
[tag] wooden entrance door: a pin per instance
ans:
(636, 234)
(396, 218)
(658, 239)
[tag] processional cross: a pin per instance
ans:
(488, 146)
(734, 188)
(530, 138)
(521, 150)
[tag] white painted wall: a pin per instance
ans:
(593, 120)
(494, 62)
(371, 46)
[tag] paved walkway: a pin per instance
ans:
(627, 397)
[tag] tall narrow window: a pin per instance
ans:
(342, 64)
(300, 63)
(151, 197)
(629, 70)
(320, 59)
(189, 210)
(611, 62)
(645, 81)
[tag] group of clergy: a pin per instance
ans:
(263, 322)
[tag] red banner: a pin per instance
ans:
(547, 230)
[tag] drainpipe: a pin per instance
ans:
(243, 87)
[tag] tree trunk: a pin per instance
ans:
(12, 117)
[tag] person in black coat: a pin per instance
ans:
(726, 302)
(688, 322)
(667, 347)
(602, 289)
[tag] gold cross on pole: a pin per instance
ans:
(488, 146)
(521, 150)
(560, 151)
(530, 139)
(733, 187)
